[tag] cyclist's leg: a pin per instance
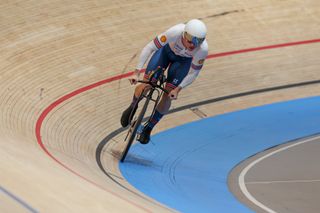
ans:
(159, 58)
(176, 73)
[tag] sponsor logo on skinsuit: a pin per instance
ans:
(201, 61)
(163, 39)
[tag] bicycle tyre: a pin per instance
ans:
(135, 128)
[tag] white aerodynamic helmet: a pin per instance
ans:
(196, 30)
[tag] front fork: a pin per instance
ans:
(156, 101)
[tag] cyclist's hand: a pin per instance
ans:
(173, 95)
(135, 77)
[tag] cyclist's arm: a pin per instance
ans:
(192, 75)
(159, 41)
(196, 66)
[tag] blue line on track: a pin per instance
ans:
(21, 202)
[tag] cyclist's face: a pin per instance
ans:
(188, 44)
(191, 42)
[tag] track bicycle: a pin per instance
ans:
(157, 88)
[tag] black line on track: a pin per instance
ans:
(110, 175)
(188, 106)
(222, 14)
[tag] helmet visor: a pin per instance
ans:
(192, 39)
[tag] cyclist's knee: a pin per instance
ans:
(166, 98)
(142, 88)
(164, 105)
(146, 87)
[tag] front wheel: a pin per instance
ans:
(133, 129)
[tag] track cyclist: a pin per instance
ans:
(182, 49)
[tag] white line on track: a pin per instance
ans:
(242, 184)
(282, 181)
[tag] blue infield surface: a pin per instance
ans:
(186, 168)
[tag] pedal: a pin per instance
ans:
(139, 131)
(140, 128)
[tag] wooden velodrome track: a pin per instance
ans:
(50, 49)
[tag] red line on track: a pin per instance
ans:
(45, 113)
(262, 48)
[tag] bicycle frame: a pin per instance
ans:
(155, 87)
